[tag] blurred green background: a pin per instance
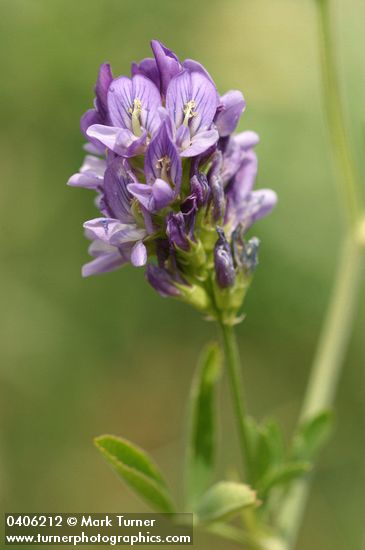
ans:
(84, 357)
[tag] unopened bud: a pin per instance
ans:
(176, 231)
(162, 281)
(223, 261)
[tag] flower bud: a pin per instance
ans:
(223, 261)
(245, 252)
(161, 281)
(176, 231)
(218, 198)
(200, 188)
(250, 254)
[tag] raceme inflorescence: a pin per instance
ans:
(174, 184)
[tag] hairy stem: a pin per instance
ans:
(341, 311)
(235, 381)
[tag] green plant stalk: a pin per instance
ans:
(341, 311)
(336, 331)
(235, 380)
(348, 182)
(326, 370)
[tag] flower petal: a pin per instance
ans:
(194, 66)
(247, 140)
(223, 261)
(244, 180)
(229, 111)
(139, 254)
(111, 231)
(196, 89)
(148, 68)
(103, 82)
(116, 195)
(162, 194)
(88, 119)
(120, 140)
(167, 62)
(103, 264)
(153, 197)
(176, 230)
(121, 101)
(256, 206)
(183, 139)
(162, 158)
(142, 192)
(161, 280)
(200, 143)
(91, 175)
(100, 228)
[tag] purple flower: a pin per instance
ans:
(133, 111)
(161, 69)
(147, 67)
(118, 233)
(217, 194)
(114, 244)
(223, 261)
(191, 102)
(173, 175)
(229, 111)
(176, 231)
(153, 197)
(167, 63)
(162, 281)
(165, 66)
(98, 115)
(117, 199)
(162, 159)
(235, 152)
(113, 232)
(91, 175)
(246, 206)
(200, 189)
(218, 199)
(106, 258)
(163, 173)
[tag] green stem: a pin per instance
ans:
(235, 380)
(326, 369)
(341, 311)
(336, 331)
(349, 184)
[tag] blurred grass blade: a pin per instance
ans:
(202, 423)
(224, 500)
(137, 469)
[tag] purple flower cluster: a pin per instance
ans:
(174, 185)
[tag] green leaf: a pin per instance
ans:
(224, 500)
(269, 450)
(137, 469)
(202, 423)
(312, 435)
(282, 475)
